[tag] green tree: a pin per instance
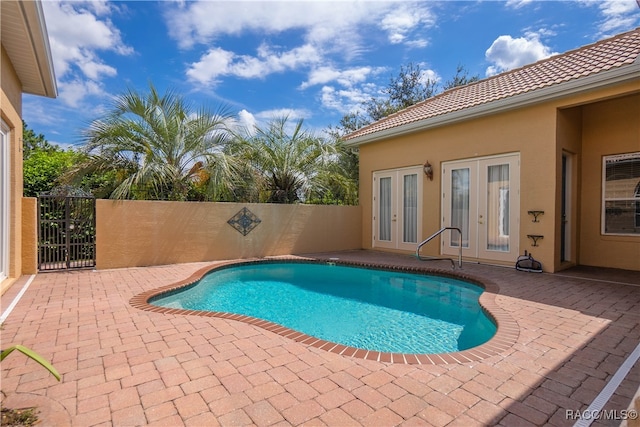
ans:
(408, 88)
(286, 164)
(158, 147)
(461, 78)
(42, 169)
(340, 181)
(32, 142)
(44, 163)
(350, 122)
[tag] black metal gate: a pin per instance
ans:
(66, 232)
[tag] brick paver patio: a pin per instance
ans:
(123, 366)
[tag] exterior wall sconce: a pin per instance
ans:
(535, 214)
(428, 170)
(535, 238)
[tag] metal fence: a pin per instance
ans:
(66, 232)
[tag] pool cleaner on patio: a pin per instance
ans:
(527, 263)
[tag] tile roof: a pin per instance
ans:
(604, 55)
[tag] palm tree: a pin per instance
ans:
(340, 182)
(286, 164)
(158, 147)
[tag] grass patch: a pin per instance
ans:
(19, 417)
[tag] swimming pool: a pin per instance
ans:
(363, 308)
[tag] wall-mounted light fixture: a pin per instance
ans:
(535, 214)
(428, 170)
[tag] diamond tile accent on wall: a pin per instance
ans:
(244, 221)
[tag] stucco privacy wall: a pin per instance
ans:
(143, 233)
(29, 235)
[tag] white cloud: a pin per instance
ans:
(214, 63)
(78, 32)
(247, 122)
(94, 69)
(516, 4)
(330, 27)
(292, 114)
(73, 92)
(619, 15)
(347, 78)
(399, 22)
(76, 35)
(417, 43)
(319, 37)
(507, 53)
(321, 75)
(346, 100)
(353, 86)
(219, 62)
(430, 76)
(201, 22)
(99, 7)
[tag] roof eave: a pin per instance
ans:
(27, 45)
(45, 59)
(582, 85)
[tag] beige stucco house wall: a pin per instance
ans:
(575, 124)
(609, 127)
(26, 67)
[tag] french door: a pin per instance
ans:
(4, 200)
(397, 208)
(481, 197)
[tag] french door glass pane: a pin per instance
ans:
(410, 209)
(4, 201)
(460, 205)
(385, 209)
(498, 208)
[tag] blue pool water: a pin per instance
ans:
(364, 308)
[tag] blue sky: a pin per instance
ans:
(315, 60)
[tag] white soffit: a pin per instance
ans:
(24, 38)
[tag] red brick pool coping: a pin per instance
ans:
(504, 338)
